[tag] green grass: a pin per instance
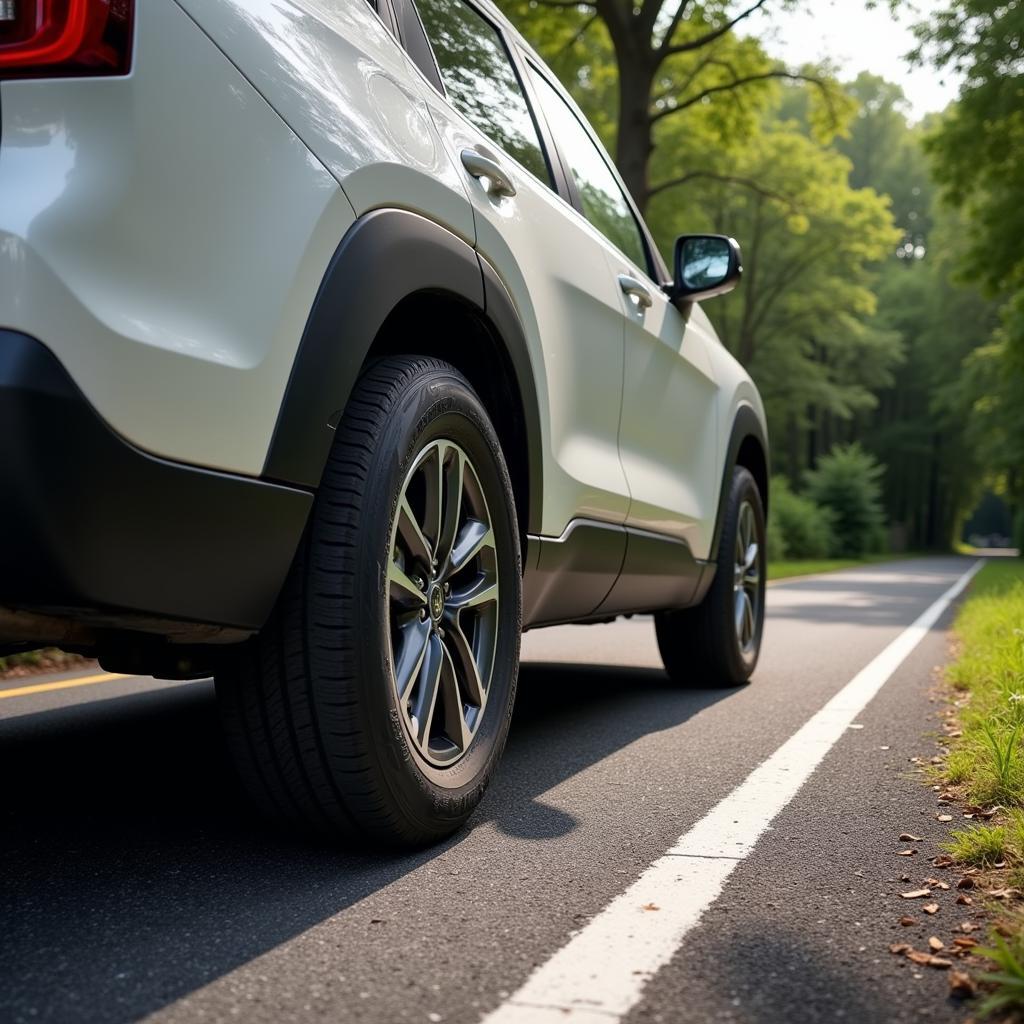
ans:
(981, 846)
(1008, 979)
(786, 568)
(988, 758)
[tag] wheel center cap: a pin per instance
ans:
(436, 601)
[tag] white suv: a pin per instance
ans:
(333, 353)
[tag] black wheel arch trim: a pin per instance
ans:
(386, 257)
(746, 427)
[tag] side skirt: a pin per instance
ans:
(596, 571)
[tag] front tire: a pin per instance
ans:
(718, 643)
(377, 700)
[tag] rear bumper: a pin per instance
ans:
(93, 529)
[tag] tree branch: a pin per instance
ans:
(577, 36)
(666, 50)
(728, 179)
(566, 4)
(677, 17)
(792, 76)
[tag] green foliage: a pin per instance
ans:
(1008, 955)
(989, 758)
(978, 159)
(846, 483)
(805, 528)
(1018, 530)
(980, 845)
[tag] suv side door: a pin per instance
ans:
(558, 279)
(667, 439)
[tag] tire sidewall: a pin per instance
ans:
(744, 489)
(438, 404)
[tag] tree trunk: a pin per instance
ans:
(634, 144)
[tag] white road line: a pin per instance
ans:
(600, 973)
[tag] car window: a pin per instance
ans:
(480, 80)
(604, 202)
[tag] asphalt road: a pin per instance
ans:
(134, 882)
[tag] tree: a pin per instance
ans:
(802, 322)
(668, 60)
(978, 158)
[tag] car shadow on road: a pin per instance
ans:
(134, 872)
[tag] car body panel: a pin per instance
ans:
(165, 235)
(339, 78)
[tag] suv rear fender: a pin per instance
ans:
(389, 262)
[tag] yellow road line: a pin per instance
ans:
(61, 684)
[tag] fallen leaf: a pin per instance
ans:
(916, 894)
(964, 942)
(965, 883)
(936, 943)
(650, 906)
(1003, 894)
(962, 985)
(943, 817)
(907, 922)
(964, 900)
(931, 908)
(905, 853)
(906, 837)
(904, 878)
(899, 948)
(969, 926)
(999, 864)
(940, 963)
(942, 861)
(936, 883)
(917, 957)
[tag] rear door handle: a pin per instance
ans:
(480, 166)
(635, 290)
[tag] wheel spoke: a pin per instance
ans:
(426, 698)
(472, 539)
(433, 476)
(409, 530)
(483, 590)
(748, 619)
(409, 660)
(402, 590)
(444, 563)
(739, 613)
(465, 663)
(455, 725)
(452, 476)
(750, 556)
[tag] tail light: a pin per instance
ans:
(57, 38)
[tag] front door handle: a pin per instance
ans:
(635, 290)
(480, 166)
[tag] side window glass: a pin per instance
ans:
(481, 81)
(604, 204)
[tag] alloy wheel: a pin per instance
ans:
(442, 603)
(747, 579)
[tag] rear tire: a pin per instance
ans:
(377, 700)
(717, 643)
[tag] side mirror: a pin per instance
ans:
(706, 266)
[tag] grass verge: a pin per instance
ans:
(30, 663)
(986, 762)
